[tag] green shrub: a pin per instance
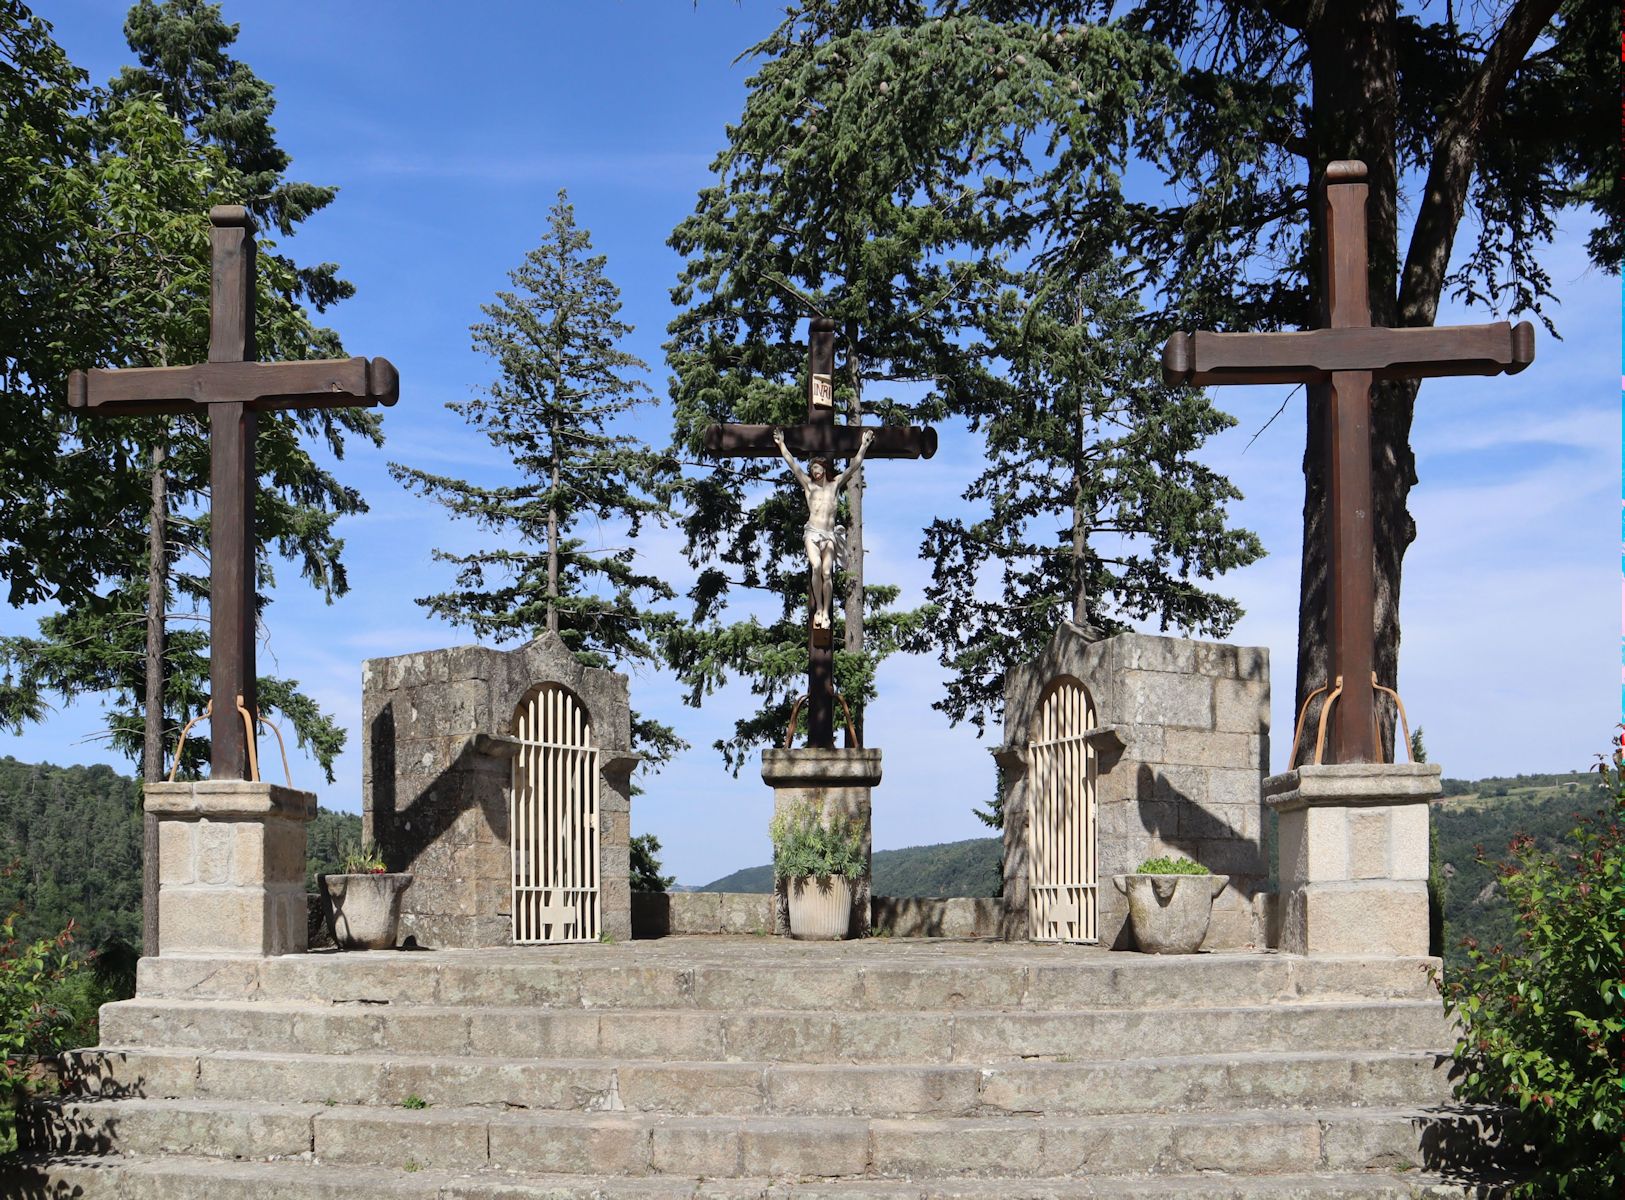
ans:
(804, 847)
(37, 1016)
(1543, 1024)
(1169, 865)
(361, 858)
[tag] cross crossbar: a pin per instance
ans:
(820, 437)
(1311, 356)
(1340, 362)
(232, 389)
(317, 383)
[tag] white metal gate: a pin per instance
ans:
(553, 820)
(1061, 818)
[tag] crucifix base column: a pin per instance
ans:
(1353, 844)
(837, 782)
(231, 866)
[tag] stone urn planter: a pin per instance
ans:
(364, 911)
(820, 909)
(815, 860)
(1169, 913)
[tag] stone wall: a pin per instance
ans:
(437, 768)
(1180, 772)
(665, 914)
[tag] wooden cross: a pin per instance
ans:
(820, 437)
(1343, 360)
(232, 388)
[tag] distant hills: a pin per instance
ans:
(70, 849)
(968, 868)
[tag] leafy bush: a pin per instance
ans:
(804, 847)
(646, 876)
(1543, 1026)
(36, 1016)
(1171, 866)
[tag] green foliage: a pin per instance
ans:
(562, 385)
(325, 840)
(1419, 752)
(415, 1102)
(362, 858)
(805, 846)
(33, 1019)
(646, 876)
(124, 282)
(1543, 1021)
(1171, 865)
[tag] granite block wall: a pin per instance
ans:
(437, 772)
(1181, 770)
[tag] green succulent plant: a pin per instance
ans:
(805, 846)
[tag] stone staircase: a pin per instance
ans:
(735, 1067)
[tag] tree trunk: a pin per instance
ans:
(854, 530)
(1352, 115)
(553, 539)
(1352, 61)
(152, 749)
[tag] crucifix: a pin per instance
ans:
(822, 440)
(232, 388)
(1340, 362)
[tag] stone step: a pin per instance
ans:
(965, 1036)
(730, 977)
(1292, 1079)
(177, 1178)
(635, 1144)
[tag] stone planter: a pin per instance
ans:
(1169, 913)
(820, 909)
(364, 911)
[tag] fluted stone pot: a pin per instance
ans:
(1169, 913)
(820, 909)
(364, 911)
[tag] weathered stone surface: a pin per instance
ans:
(1192, 722)
(1169, 914)
(437, 772)
(231, 866)
(1353, 853)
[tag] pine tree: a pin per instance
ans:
(126, 283)
(1093, 508)
(562, 384)
(867, 181)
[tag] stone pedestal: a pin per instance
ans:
(837, 782)
(231, 866)
(1354, 857)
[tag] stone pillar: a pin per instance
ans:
(837, 781)
(231, 866)
(1354, 857)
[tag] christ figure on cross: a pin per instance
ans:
(825, 541)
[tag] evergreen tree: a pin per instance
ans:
(125, 283)
(562, 383)
(1093, 508)
(868, 180)
(1505, 113)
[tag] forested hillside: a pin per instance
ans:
(70, 849)
(968, 868)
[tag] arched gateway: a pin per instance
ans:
(1061, 817)
(553, 820)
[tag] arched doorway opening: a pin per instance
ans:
(554, 820)
(1061, 849)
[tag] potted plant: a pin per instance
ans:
(817, 861)
(364, 899)
(1170, 901)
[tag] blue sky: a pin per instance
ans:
(449, 131)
